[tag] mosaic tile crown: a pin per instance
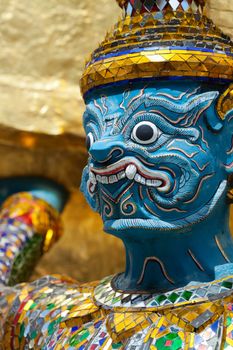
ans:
(167, 43)
(133, 7)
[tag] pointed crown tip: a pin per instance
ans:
(121, 3)
(141, 6)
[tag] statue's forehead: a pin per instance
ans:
(117, 100)
(113, 104)
(182, 105)
(122, 98)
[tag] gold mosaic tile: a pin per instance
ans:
(178, 41)
(122, 325)
(195, 318)
(161, 63)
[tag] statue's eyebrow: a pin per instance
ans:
(150, 100)
(93, 115)
(92, 112)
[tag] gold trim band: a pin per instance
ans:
(160, 63)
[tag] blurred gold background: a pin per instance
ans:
(43, 47)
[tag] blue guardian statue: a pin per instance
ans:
(159, 126)
(159, 133)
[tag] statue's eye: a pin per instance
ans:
(145, 133)
(89, 140)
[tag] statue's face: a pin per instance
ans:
(157, 157)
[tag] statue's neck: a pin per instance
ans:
(170, 260)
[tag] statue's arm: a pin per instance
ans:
(28, 228)
(30, 210)
(29, 225)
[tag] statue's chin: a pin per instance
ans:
(114, 226)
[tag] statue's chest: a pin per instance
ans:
(60, 315)
(203, 326)
(199, 317)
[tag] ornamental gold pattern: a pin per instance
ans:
(225, 102)
(28, 227)
(121, 2)
(56, 312)
(141, 6)
(35, 212)
(163, 63)
(177, 41)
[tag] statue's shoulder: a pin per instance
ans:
(40, 313)
(57, 310)
(197, 316)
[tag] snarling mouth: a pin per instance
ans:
(171, 225)
(131, 169)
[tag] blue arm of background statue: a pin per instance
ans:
(48, 190)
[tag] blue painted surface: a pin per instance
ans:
(223, 271)
(166, 199)
(55, 194)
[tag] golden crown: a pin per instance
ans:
(161, 39)
(141, 6)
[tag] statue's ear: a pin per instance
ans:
(225, 112)
(225, 103)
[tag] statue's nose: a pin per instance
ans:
(106, 148)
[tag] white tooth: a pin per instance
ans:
(121, 175)
(156, 183)
(112, 179)
(131, 171)
(143, 181)
(115, 179)
(148, 182)
(92, 177)
(104, 179)
(92, 187)
(98, 178)
(137, 178)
